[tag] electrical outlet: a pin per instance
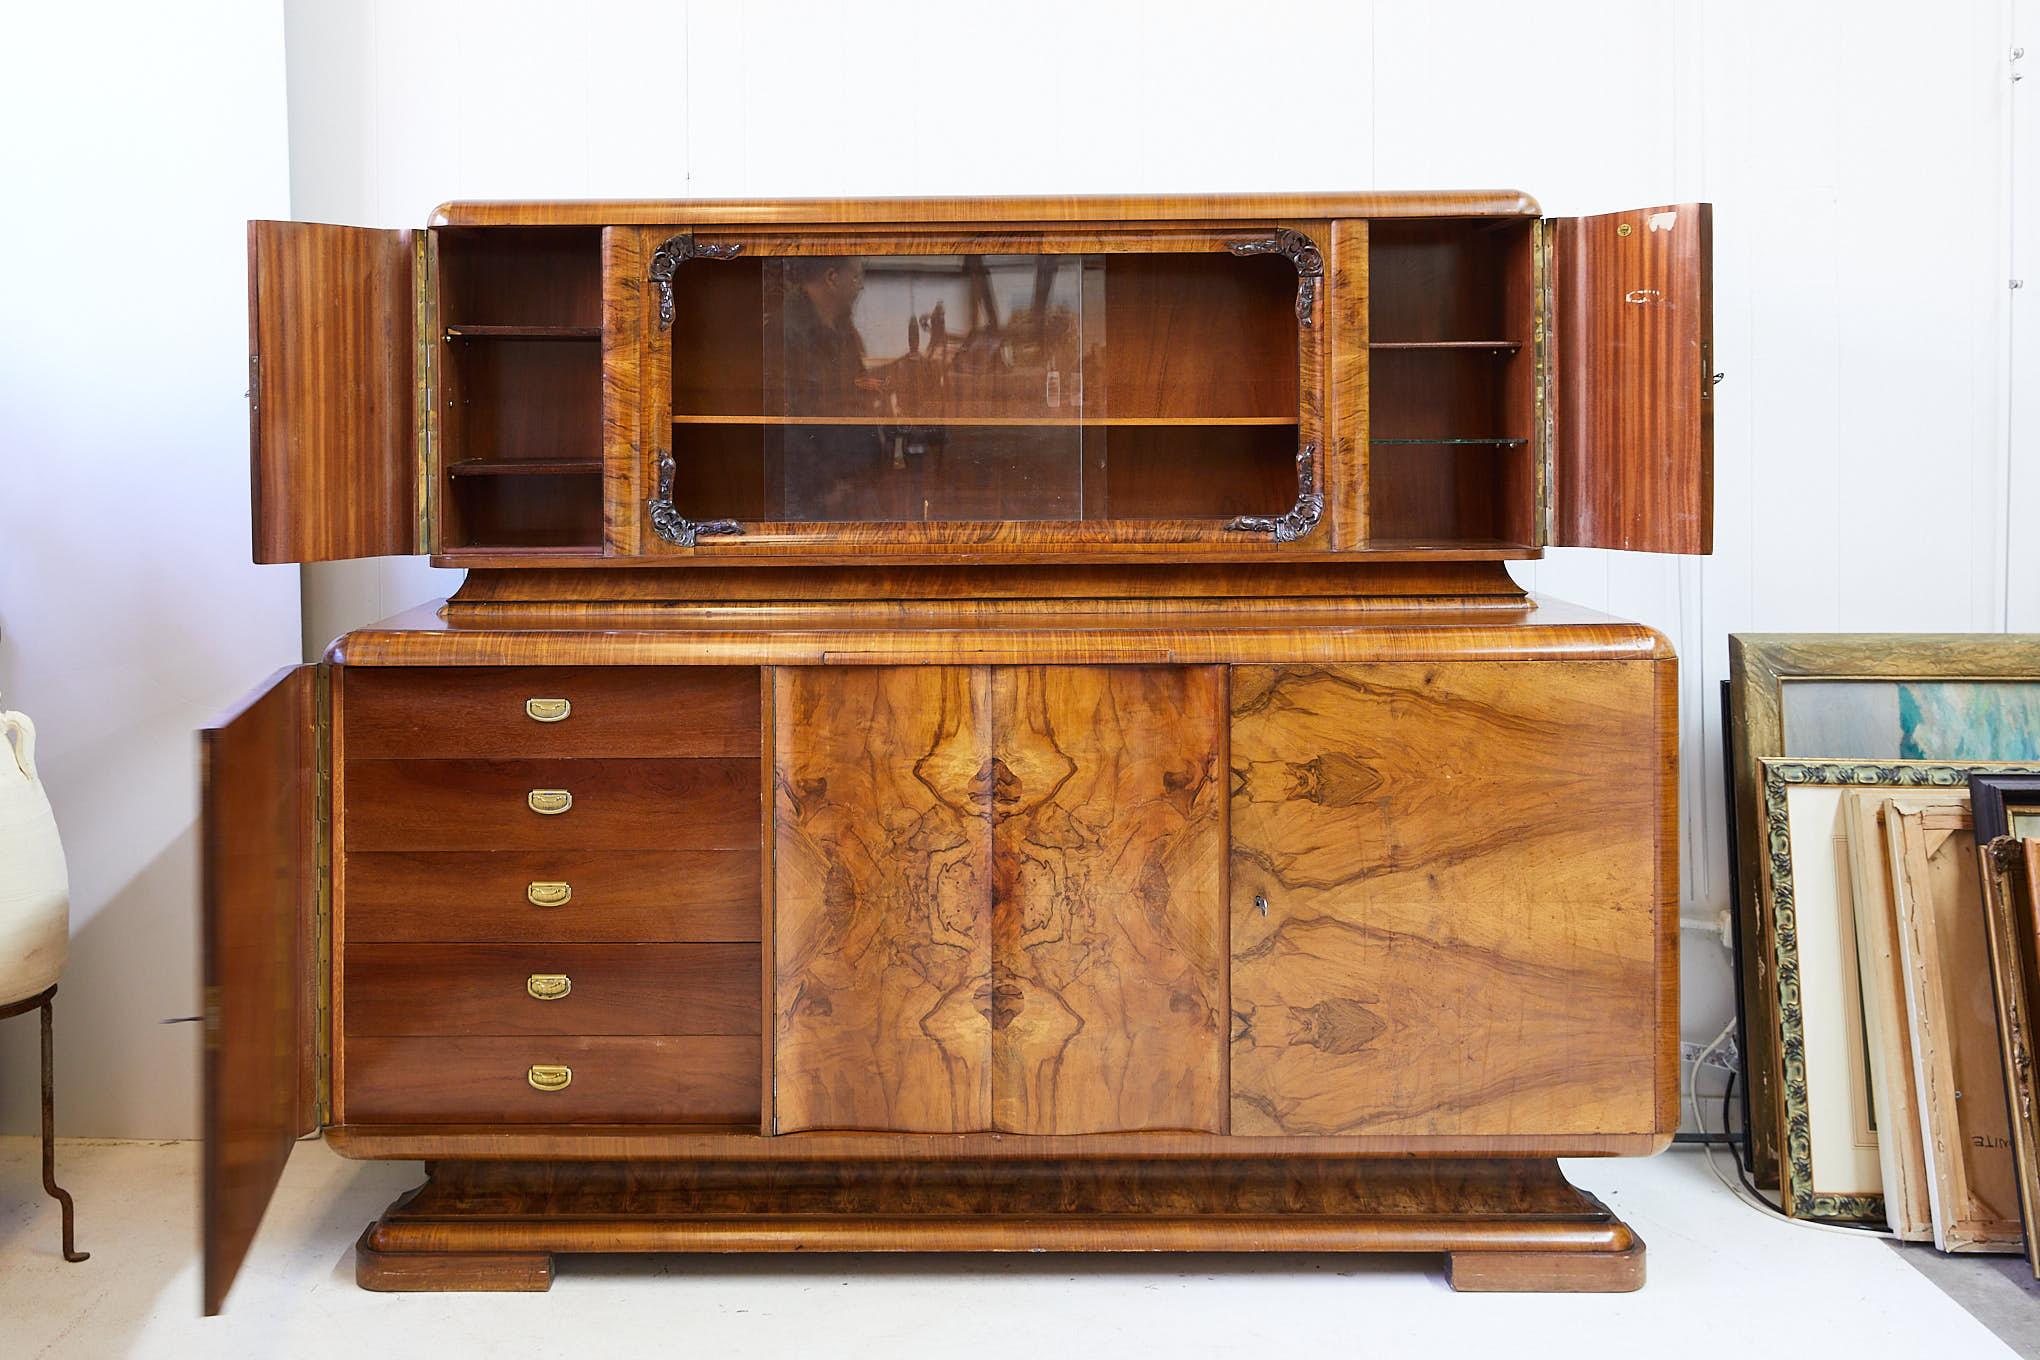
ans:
(1727, 1056)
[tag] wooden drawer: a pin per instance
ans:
(407, 989)
(480, 711)
(507, 895)
(702, 1079)
(617, 804)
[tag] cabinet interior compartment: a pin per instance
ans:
(520, 421)
(1451, 383)
(1040, 387)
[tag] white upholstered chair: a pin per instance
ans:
(35, 921)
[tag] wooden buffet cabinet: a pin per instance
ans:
(970, 725)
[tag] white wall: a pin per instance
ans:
(1858, 156)
(138, 139)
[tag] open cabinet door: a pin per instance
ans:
(258, 805)
(1632, 421)
(333, 405)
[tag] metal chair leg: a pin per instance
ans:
(49, 1133)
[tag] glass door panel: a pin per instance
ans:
(1063, 388)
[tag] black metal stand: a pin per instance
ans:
(49, 1114)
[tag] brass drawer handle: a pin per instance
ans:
(548, 986)
(548, 710)
(549, 1077)
(548, 894)
(549, 802)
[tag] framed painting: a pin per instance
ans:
(2011, 889)
(1851, 696)
(2005, 805)
(1972, 1181)
(1825, 1171)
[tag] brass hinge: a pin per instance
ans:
(254, 392)
(322, 879)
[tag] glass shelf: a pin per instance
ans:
(525, 467)
(1449, 346)
(472, 332)
(1495, 443)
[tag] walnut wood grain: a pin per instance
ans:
(1378, 583)
(882, 882)
(618, 804)
(464, 1272)
(1108, 866)
(691, 1079)
(1348, 375)
(484, 895)
(332, 415)
(1633, 465)
(257, 765)
(1434, 866)
(890, 212)
(1541, 1232)
(993, 632)
(623, 397)
(408, 713)
(596, 1142)
(480, 989)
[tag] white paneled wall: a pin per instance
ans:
(1859, 156)
(137, 141)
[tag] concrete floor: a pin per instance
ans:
(1724, 1279)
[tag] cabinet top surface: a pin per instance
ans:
(1056, 208)
(1032, 632)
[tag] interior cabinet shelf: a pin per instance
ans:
(475, 332)
(525, 467)
(984, 422)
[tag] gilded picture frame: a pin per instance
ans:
(1761, 666)
(1800, 1195)
(2011, 889)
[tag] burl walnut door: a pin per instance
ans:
(1108, 928)
(1445, 914)
(257, 864)
(881, 917)
(997, 899)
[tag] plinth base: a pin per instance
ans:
(1514, 1225)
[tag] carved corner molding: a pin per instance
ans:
(1300, 251)
(675, 252)
(1300, 518)
(667, 521)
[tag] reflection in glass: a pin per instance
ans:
(902, 350)
(890, 388)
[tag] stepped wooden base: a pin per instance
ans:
(1505, 1225)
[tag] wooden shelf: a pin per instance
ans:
(525, 467)
(1499, 346)
(467, 332)
(986, 422)
(1488, 443)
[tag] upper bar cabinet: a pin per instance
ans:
(1110, 379)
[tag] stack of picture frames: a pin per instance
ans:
(2006, 808)
(1882, 1087)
